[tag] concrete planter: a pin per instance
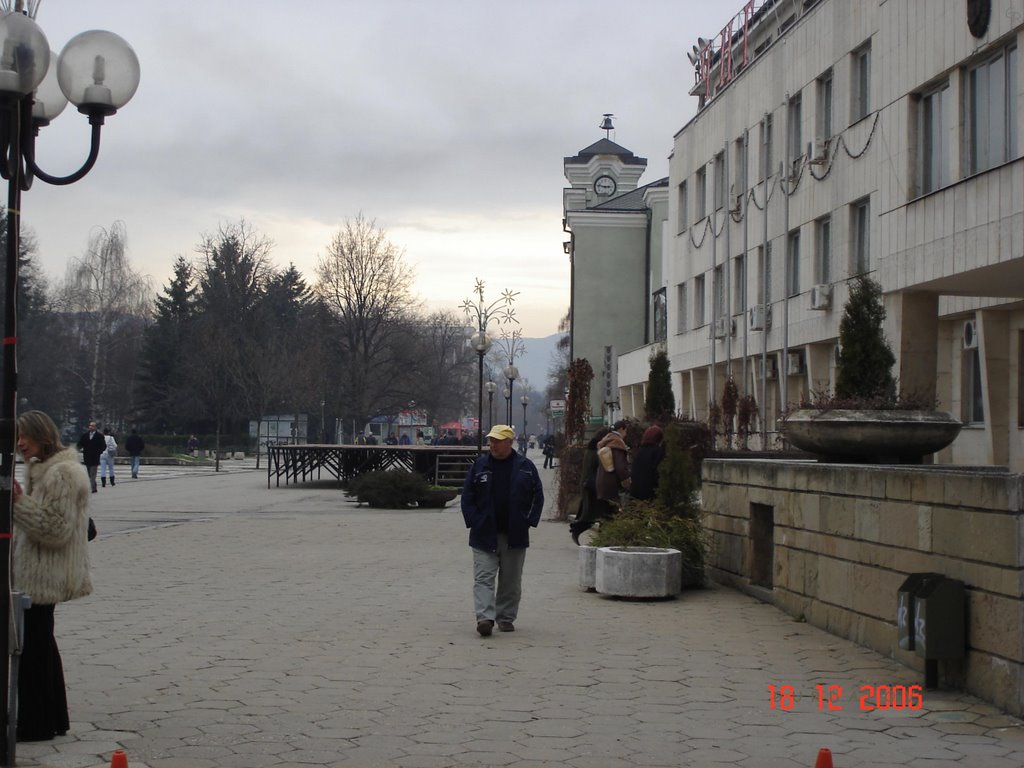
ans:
(870, 435)
(639, 571)
(588, 568)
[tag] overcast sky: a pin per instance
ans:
(446, 121)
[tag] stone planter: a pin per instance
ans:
(639, 571)
(436, 499)
(889, 436)
(588, 568)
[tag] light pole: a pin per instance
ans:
(98, 72)
(491, 387)
(526, 402)
(508, 404)
(480, 313)
(323, 427)
(513, 346)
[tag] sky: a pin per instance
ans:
(444, 121)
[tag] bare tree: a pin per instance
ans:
(364, 283)
(105, 298)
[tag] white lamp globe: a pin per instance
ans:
(98, 72)
(24, 54)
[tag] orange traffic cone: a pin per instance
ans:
(120, 759)
(824, 758)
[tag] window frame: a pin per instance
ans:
(793, 262)
(823, 250)
(860, 236)
(860, 83)
(927, 131)
(1006, 59)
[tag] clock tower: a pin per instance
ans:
(600, 172)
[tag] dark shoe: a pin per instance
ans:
(112, 481)
(484, 627)
(506, 626)
(135, 477)
(94, 489)
(576, 538)
(103, 480)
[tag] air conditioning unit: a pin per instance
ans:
(722, 327)
(821, 296)
(759, 317)
(970, 335)
(817, 151)
(772, 371)
(794, 363)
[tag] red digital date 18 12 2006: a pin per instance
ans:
(869, 697)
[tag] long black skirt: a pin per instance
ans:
(42, 698)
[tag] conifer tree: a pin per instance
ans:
(865, 359)
(660, 404)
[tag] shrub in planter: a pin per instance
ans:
(390, 489)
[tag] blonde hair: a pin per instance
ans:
(40, 429)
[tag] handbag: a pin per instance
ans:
(92, 530)
(604, 455)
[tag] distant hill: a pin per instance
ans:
(533, 366)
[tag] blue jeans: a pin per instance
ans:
(135, 466)
(106, 463)
(507, 565)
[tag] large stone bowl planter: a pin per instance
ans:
(436, 498)
(870, 435)
(639, 571)
(588, 568)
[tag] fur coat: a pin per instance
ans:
(51, 522)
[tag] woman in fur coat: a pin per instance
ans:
(51, 565)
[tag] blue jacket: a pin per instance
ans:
(525, 506)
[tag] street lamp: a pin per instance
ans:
(508, 404)
(323, 427)
(513, 346)
(491, 387)
(480, 313)
(526, 402)
(98, 72)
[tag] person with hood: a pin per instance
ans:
(50, 564)
(613, 474)
(502, 499)
(646, 460)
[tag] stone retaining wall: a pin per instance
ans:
(833, 543)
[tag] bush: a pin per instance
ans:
(391, 489)
(649, 524)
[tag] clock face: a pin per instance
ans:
(605, 185)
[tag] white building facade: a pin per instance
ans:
(837, 138)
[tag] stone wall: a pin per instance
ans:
(833, 543)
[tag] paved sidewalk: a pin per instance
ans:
(235, 626)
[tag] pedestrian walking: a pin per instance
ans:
(590, 509)
(644, 472)
(502, 499)
(50, 564)
(135, 445)
(107, 458)
(613, 472)
(549, 452)
(92, 445)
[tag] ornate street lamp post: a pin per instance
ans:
(491, 387)
(479, 313)
(513, 346)
(526, 402)
(98, 72)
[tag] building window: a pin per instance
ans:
(766, 147)
(764, 274)
(860, 236)
(933, 142)
(739, 277)
(698, 301)
(992, 111)
(681, 308)
(720, 180)
(739, 167)
(660, 305)
(793, 263)
(795, 128)
(682, 207)
(823, 250)
(824, 120)
(718, 287)
(702, 193)
(860, 85)
(974, 402)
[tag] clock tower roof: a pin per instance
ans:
(605, 147)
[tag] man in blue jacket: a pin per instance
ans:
(501, 500)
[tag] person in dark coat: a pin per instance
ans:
(502, 499)
(644, 472)
(92, 445)
(135, 445)
(589, 508)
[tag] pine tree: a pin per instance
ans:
(660, 404)
(865, 359)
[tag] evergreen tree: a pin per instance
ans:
(865, 359)
(660, 404)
